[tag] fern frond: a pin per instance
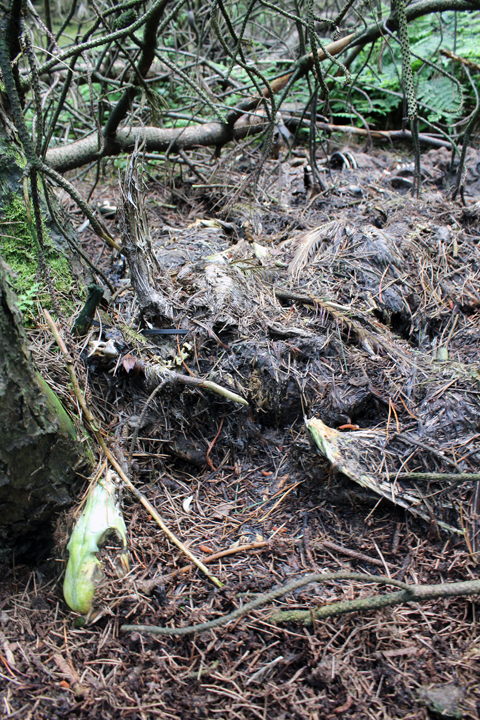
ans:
(441, 94)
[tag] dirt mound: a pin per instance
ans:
(357, 307)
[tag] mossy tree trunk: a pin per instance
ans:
(39, 451)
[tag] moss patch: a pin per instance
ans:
(18, 247)
(10, 152)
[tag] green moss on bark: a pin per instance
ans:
(19, 248)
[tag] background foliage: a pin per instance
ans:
(199, 75)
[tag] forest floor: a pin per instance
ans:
(369, 299)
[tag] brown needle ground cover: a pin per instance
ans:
(392, 279)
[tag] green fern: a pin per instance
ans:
(442, 94)
(441, 85)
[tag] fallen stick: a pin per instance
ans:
(376, 134)
(442, 477)
(92, 422)
(406, 594)
(219, 555)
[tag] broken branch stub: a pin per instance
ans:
(137, 245)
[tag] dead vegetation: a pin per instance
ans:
(357, 306)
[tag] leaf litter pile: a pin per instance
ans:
(316, 412)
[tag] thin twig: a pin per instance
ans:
(436, 453)
(143, 413)
(210, 447)
(219, 555)
(442, 477)
(346, 551)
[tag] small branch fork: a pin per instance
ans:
(114, 462)
(406, 594)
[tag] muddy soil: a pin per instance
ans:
(358, 306)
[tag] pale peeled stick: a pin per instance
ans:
(100, 517)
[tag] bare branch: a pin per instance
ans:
(408, 593)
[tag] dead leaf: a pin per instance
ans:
(187, 503)
(129, 362)
(223, 510)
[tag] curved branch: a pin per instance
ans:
(148, 55)
(407, 593)
(97, 226)
(110, 37)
